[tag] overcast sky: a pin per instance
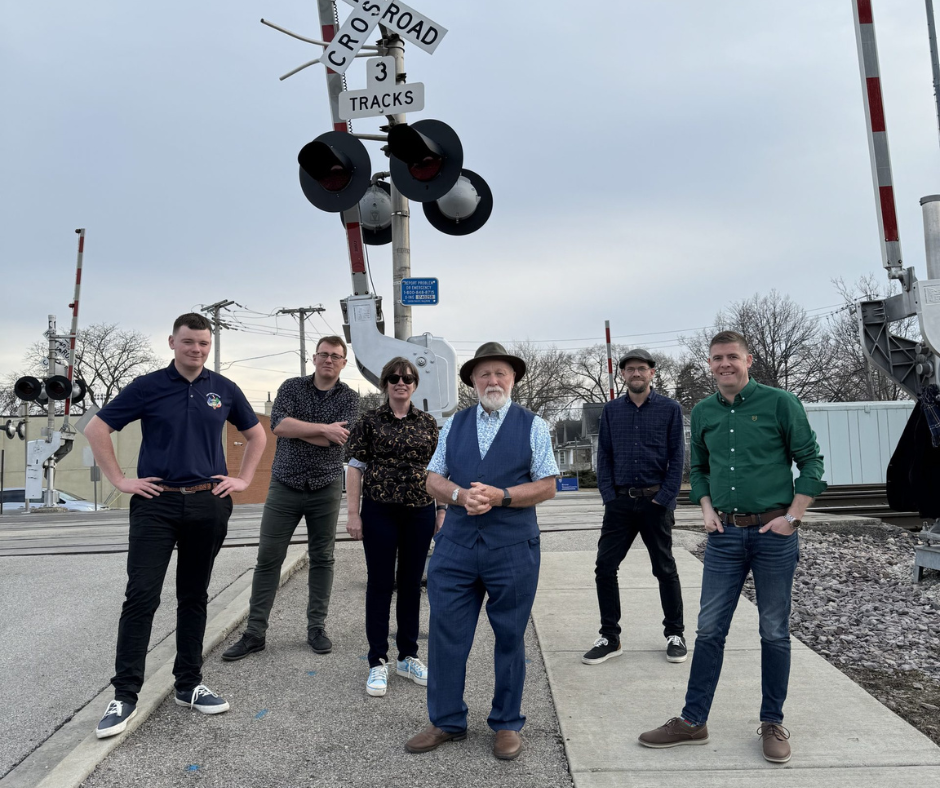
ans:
(650, 163)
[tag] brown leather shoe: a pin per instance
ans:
(675, 732)
(774, 742)
(508, 745)
(431, 738)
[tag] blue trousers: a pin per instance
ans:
(729, 556)
(458, 578)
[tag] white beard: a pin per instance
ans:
(494, 399)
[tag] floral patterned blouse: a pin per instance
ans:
(396, 453)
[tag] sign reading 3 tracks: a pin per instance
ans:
(382, 96)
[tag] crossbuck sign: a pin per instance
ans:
(398, 17)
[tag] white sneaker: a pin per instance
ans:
(414, 669)
(377, 683)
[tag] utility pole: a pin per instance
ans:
(302, 313)
(217, 326)
(392, 44)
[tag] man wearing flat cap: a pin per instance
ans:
(639, 470)
(493, 464)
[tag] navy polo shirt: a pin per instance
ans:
(181, 423)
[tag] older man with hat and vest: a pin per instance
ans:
(640, 452)
(493, 464)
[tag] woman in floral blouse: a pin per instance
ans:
(389, 450)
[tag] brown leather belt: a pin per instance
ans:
(747, 520)
(188, 490)
(638, 492)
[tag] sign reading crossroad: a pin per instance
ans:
(397, 17)
(382, 96)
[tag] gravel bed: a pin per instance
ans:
(855, 605)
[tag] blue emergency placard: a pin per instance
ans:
(419, 292)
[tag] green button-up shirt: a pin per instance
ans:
(742, 452)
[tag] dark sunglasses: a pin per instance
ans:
(407, 379)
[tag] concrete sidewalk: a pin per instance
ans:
(299, 719)
(841, 736)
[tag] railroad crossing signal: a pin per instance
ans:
(57, 387)
(12, 430)
(335, 171)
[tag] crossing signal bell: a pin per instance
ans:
(335, 171)
(57, 387)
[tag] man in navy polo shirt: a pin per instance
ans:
(494, 462)
(181, 498)
(640, 451)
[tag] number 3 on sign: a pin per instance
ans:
(380, 72)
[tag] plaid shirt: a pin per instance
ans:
(640, 447)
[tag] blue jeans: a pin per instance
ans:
(729, 556)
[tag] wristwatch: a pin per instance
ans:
(794, 523)
(507, 498)
(455, 494)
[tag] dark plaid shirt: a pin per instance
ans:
(640, 447)
(396, 453)
(302, 465)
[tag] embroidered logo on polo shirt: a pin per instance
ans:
(213, 401)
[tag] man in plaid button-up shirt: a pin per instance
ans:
(639, 470)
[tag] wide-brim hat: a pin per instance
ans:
(492, 351)
(637, 353)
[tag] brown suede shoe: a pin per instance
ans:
(508, 745)
(675, 732)
(431, 738)
(774, 742)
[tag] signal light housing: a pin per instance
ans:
(424, 158)
(464, 209)
(335, 170)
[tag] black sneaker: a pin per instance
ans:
(603, 650)
(115, 718)
(319, 642)
(202, 699)
(675, 649)
(248, 644)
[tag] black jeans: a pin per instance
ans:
(387, 529)
(624, 518)
(196, 524)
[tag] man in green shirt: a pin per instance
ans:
(744, 441)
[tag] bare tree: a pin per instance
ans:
(107, 358)
(546, 387)
(850, 377)
(789, 347)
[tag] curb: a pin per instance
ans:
(73, 752)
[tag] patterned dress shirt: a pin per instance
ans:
(301, 465)
(540, 441)
(393, 455)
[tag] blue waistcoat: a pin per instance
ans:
(507, 463)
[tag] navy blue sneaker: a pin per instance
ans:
(202, 699)
(115, 718)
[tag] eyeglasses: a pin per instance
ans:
(406, 379)
(631, 370)
(329, 356)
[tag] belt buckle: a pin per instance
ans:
(734, 520)
(638, 495)
(187, 490)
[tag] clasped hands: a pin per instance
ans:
(482, 497)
